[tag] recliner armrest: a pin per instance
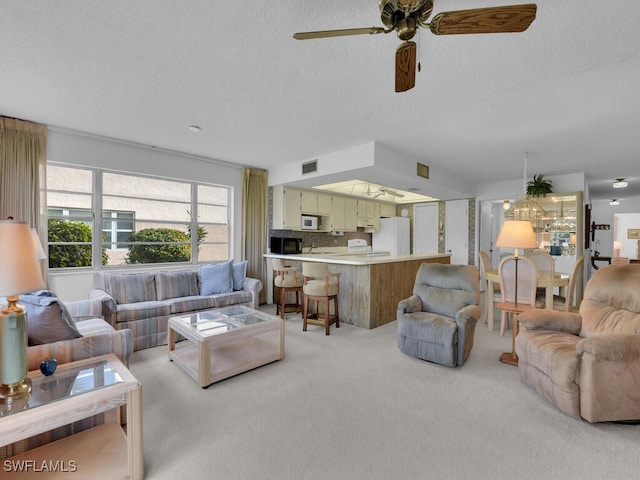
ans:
(543, 319)
(470, 313)
(410, 305)
(614, 347)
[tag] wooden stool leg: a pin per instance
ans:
(305, 312)
(327, 314)
(335, 307)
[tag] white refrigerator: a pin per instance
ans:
(393, 236)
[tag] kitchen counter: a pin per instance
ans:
(370, 286)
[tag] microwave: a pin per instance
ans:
(286, 246)
(309, 223)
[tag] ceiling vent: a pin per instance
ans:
(310, 167)
(423, 170)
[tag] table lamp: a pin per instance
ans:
(19, 273)
(516, 234)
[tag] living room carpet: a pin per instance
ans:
(352, 406)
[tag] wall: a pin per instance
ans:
(75, 148)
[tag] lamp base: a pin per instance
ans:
(15, 391)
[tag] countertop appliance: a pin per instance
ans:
(286, 246)
(393, 236)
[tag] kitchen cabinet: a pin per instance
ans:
(287, 208)
(315, 203)
(387, 210)
(338, 212)
(350, 214)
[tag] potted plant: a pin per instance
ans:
(539, 186)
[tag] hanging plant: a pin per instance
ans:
(539, 186)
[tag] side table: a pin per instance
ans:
(75, 391)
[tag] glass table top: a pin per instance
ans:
(65, 383)
(214, 322)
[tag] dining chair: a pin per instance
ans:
(565, 303)
(543, 261)
(489, 303)
(320, 285)
(518, 295)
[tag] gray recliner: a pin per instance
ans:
(438, 321)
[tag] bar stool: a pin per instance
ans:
(319, 287)
(287, 280)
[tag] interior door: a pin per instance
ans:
(425, 228)
(457, 231)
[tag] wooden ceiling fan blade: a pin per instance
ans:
(406, 67)
(339, 33)
(511, 18)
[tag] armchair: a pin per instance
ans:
(437, 323)
(588, 363)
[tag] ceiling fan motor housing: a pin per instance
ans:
(405, 15)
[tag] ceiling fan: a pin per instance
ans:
(406, 16)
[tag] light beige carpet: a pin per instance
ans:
(352, 406)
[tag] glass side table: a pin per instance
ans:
(75, 391)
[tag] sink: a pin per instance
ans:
(321, 253)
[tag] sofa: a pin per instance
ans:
(588, 363)
(68, 332)
(438, 322)
(144, 301)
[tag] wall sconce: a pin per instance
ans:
(614, 202)
(506, 205)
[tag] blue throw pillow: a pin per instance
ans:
(239, 273)
(216, 278)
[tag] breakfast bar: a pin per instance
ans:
(370, 286)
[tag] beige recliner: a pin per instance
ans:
(588, 363)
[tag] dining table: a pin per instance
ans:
(549, 280)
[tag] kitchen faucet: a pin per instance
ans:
(313, 245)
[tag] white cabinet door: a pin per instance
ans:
(350, 214)
(338, 213)
(309, 201)
(286, 208)
(325, 205)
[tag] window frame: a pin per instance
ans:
(97, 219)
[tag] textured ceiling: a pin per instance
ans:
(566, 90)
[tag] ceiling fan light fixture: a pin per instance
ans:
(620, 183)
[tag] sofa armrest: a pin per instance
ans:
(543, 319)
(99, 338)
(254, 286)
(109, 305)
(410, 305)
(613, 347)
(84, 309)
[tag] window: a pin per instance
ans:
(144, 220)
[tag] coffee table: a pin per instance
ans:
(224, 342)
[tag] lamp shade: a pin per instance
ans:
(19, 267)
(517, 234)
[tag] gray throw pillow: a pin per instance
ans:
(48, 320)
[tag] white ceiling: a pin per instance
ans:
(566, 90)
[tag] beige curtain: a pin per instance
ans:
(254, 224)
(23, 160)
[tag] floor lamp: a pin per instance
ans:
(515, 234)
(19, 273)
